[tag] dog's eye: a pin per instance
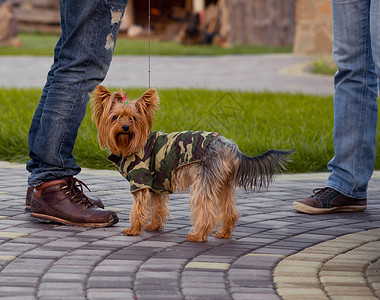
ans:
(132, 118)
(115, 118)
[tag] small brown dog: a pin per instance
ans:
(156, 164)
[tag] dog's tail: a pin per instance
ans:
(254, 173)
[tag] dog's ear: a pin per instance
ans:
(150, 100)
(102, 92)
(147, 104)
(100, 104)
(100, 96)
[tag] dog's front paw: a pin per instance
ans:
(153, 227)
(223, 235)
(196, 238)
(131, 231)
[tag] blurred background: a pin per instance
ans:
(305, 25)
(201, 49)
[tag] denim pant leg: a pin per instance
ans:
(375, 35)
(89, 32)
(355, 100)
(33, 163)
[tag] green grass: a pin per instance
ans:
(324, 66)
(38, 44)
(256, 121)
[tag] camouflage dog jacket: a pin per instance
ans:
(153, 165)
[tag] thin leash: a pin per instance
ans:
(124, 98)
(149, 44)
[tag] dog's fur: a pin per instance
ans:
(123, 127)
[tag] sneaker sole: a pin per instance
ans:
(316, 211)
(50, 219)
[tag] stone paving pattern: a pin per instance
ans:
(275, 253)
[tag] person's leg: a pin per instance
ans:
(375, 34)
(355, 100)
(356, 52)
(82, 58)
(33, 163)
(89, 32)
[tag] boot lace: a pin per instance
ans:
(320, 193)
(76, 193)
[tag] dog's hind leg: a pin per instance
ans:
(203, 217)
(139, 216)
(203, 210)
(227, 212)
(159, 211)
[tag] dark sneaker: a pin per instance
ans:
(328, 200)
(63, 201)
(28, 198)
(29, 193)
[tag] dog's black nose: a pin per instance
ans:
(125, 127)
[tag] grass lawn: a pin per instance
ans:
(324, 65)
(256, 121)
(38, 44)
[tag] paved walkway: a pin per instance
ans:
(274, 253)
(280, 72)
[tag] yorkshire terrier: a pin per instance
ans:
(157, 164)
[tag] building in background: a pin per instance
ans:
(8, 25)
(314, 27)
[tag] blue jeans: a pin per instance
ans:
(81, 60)
(356, 51)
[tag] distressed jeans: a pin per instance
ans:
(356, 51)
(81, 60)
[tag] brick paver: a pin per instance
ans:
(341, 268)
(273, 253)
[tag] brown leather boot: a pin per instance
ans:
(63, 201)
(29, 194)
(28, 198)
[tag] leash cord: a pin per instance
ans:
(149, 44)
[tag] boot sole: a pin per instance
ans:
(316, 211)
(51, 219)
